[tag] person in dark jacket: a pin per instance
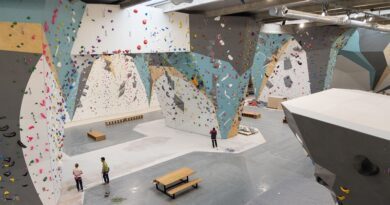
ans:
(213, 134)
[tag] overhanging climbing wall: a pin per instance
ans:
(346, 134)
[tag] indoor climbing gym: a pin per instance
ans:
(194, 102)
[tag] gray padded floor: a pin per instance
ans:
(275, 173)
(76, 140)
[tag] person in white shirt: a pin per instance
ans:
(77, 176)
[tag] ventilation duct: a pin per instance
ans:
(177, 2)
(338, 20)
(102, 1)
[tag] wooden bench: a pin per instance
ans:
(254, 115)
(96, 135)
(123, 119)
(182, 187)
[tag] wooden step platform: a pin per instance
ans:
(96, 135)
(182, 187)
(123, 119)
(254, 115)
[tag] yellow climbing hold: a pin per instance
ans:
(12, 179)
(6, 193)
(345, 190)
(341, 198)
(0, 178)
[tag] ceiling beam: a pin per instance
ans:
(255, 6)
(128, 3)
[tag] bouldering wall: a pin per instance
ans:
(221, 54)
(349, 146)
(184, 106)
(112, 86)
(290, 75)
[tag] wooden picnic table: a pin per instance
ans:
(173, 178)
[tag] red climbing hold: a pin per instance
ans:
(139, 47)
(135, 11)
(144, 21)
(145, 41)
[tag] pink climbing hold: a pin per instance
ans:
(43, 103)
(46, 27)
(144, 21)
(54, 16)
(31, 127)
(139, 47)
(43, 116)
(145, 41)
(135, 11)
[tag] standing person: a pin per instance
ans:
(77, 172)
(213, 134)
(105, 170)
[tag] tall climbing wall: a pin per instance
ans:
(265, 58)
(290, 75)
(137, 29)
(42, 124)
(60, 23)
(32, 113)
(221, 54)
(317, 42)
(112, 86)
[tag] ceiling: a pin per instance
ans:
(259, 9)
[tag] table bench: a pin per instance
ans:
(176, 181)
(96, 135)
(254, 115)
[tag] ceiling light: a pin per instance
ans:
(302, 25)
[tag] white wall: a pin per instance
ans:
(114, 86)
(199, 114)
(42, 132)
(298, 74)
(106, 29)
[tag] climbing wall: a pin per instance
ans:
(32, 113)
(113, 86)
(184, 106)
(349, 146)
(222, 53)
(265, 57)
(366, 49)
(42, 125)
(350, 75)
(317, 42)
(60, 22)
(290, 75)
(132, 30)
